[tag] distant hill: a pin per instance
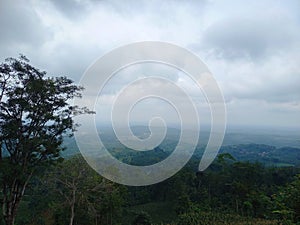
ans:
(266, 154)
(276, 149)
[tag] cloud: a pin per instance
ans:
(251, 47)
(276, 79)
(158, 99)
(21, 27)
(250, 37)
(70, 8)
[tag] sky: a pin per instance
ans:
(251, 47)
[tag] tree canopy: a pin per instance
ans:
(35, 113)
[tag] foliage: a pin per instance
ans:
(142, 218)
(204, 218)
(34, 115)
(77, 194)
(229, 192)
(287, 201)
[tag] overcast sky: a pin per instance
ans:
(251, 47)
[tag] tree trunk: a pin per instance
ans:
(9, 208)
(72, 214)
(73, 201)
(10, 220)
(10, 213)
(11, 199)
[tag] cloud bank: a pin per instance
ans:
(252, 48)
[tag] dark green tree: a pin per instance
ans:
(35, 113)
(142, 218)
(287, 200)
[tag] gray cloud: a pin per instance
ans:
(73, 9)
(252, 48)
(21, 26)
(250, 37)
(275, 79)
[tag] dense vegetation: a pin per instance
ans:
(229, 192)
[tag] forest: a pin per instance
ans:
(229, 192)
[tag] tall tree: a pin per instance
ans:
(35, 113)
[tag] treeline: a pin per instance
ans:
(248, 190)
(229, 192)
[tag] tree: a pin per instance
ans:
(35, 113)
(80, 187)
(142, 218)
(66, 179)
(287, 200)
